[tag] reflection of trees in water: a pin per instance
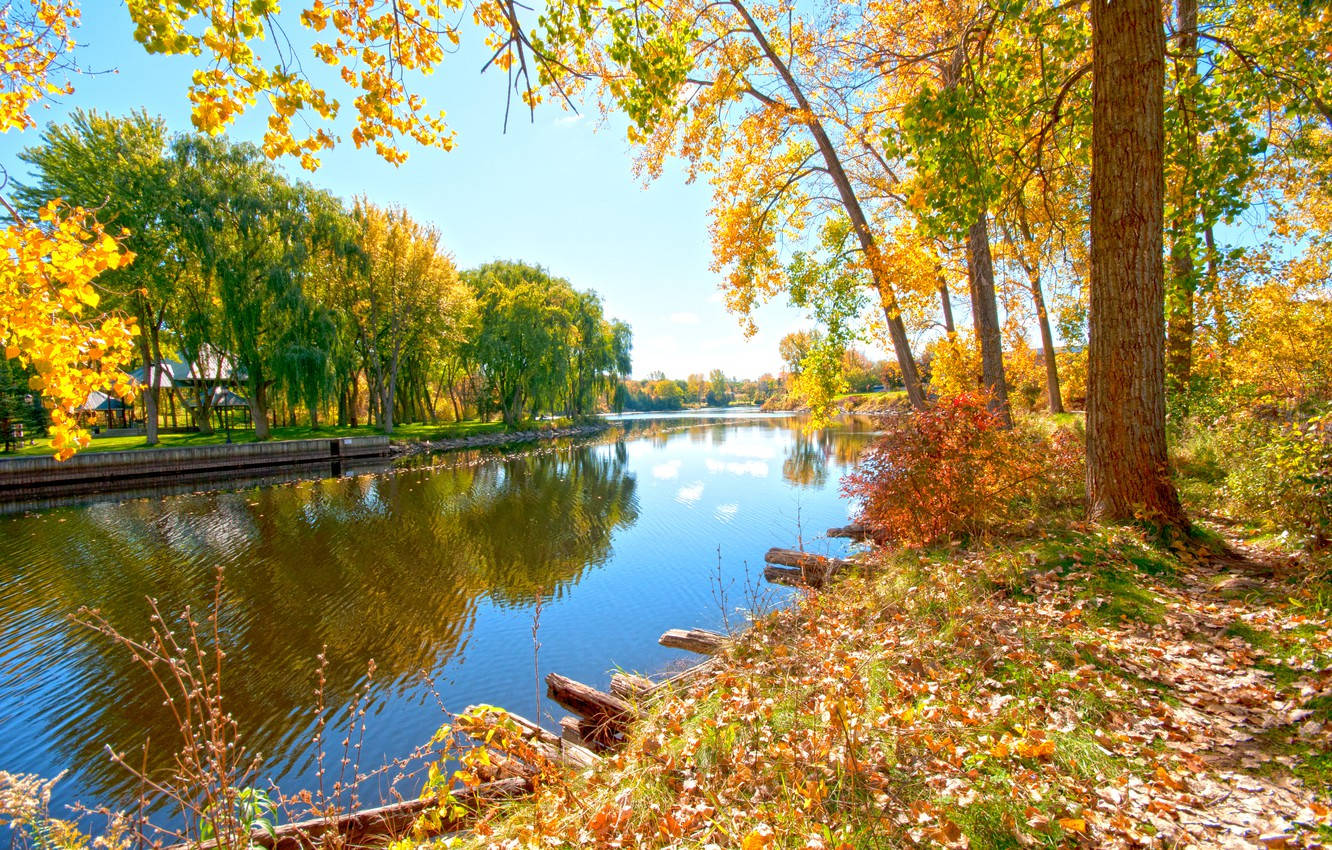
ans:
(388, 567)
(809, 454)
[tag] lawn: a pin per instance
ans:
(409, 431)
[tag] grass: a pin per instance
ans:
(949, 695)
(883, 395)
(407, 431)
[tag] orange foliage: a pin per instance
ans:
(954, 469)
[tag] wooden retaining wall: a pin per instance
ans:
(91, 472)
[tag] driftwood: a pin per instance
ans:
(693, 640)
(627, 686)
(580, 732)
(854, 531)
(787, 566)
(374, 827)
(598, 706)
(551, 745)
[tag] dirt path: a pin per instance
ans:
(1246, 690)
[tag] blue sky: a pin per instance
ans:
(559, 192)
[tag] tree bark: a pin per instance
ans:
(1128, 470)
(1052, 393)
(259, 409)
(985, 316)
(947, 303)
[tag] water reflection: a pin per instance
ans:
(388, 567)
(434, 568)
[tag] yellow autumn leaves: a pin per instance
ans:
(46, 273)
(372, 44)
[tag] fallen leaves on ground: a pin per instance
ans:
(1086, 691)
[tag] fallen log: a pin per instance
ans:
(627, 686)
(804, 560)
(854, 531)
(791, 577)
(551, 745)
(378, 825)
(693, 640)
(598, 706)
(787, 566)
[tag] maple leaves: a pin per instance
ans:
(46, 274)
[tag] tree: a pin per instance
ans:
(719, 392)
(796, 346)
(738, 93)
(1128, 469)
(251, 232)
(51, 257)
(519, 342)
(407, 294)
(117, 166)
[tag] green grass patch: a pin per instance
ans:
(406, 431)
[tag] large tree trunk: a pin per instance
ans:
(1128, 470)
(1183, 276)
(985, 316)
(259, 409)
(153, 380)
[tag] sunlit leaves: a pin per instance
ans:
(47, 270)
(373, 45)
(36, 37)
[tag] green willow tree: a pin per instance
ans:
(251, 232)
(118, 167)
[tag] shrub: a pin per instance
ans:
(954, 469)
(1279, 472)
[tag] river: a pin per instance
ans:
(436, 571)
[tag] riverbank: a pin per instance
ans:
(1082, 687)
(409, 431)
(857, 403)
(403, 448)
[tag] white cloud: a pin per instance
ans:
(569, 120)
(669, 469)
(726, 513)
(690, 495)
(756, 468)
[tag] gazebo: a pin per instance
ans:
(114, 408)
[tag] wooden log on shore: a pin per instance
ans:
(787, 566)
(598, 706)
(627, 686)
(504, 767)
(693, 640)
(804, 560)
(853, 531)
(377, 826)
(552, 746)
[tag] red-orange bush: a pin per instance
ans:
(954, 469)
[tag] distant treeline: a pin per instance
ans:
(310, 307)
(657, 392)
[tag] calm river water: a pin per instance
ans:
(433, 572)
